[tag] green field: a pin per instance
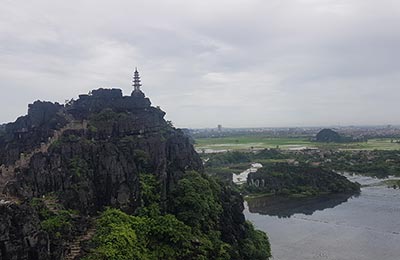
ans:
(248, 142)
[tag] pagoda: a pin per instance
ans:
(136, 85)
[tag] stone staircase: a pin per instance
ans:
(8, 173)
(75, 247)
(52, 204)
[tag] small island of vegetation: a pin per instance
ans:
(282, 173)
(299, 181)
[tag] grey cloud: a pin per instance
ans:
(236, 62)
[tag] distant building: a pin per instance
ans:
(219, 128)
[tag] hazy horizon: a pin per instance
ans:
(238, 63)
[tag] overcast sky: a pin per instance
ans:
(239, 63)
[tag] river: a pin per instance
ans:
(338, 227)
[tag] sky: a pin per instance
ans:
(238, 63)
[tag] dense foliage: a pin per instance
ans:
(121, 236)
(192, 227)
(228, 158)
(59, 224)
(285, 172)
(285, 179)
(378, 163)
(374, 163)
(240, 160)
(223, 165)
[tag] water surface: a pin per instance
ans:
(341, 227)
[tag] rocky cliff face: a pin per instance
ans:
(95, 160)
(87, 154)
(30, 131)
(20, 234)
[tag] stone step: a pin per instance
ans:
(75, 246)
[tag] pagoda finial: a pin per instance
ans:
(136, 80)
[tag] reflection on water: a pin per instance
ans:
(284, 207)
(366, 227)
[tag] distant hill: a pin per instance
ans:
(328, 136)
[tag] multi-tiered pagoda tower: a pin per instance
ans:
(136, 85)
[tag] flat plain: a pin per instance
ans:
(249, 142)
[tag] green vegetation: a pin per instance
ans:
(150, 197)
(55, 145)
(377, 157)
(376, 163)
(71, 138)
(395, 184)
(249, 142)
(229, 158)
(78, 167)
(92, 129)
(253, 242)
(104, 120)
(59, 223)
(303, 180)
(141, 159)
(195, 202)
(121, 236)
(223, 165)
(284, 172)
(330, 136)
(192, 227)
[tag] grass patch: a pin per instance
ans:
(395, 184)
(258, 195)
(248, 142)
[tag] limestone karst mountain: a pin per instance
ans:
(99, 142)
(328, 136)
(62, 165)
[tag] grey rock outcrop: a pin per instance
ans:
(20, 234)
